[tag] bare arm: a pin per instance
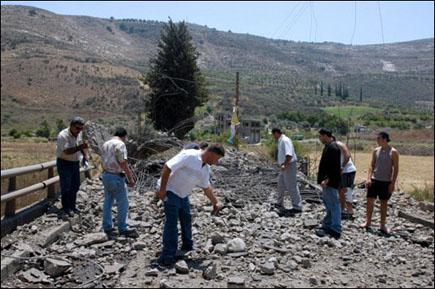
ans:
(288, 159)
(395, 158)
(73, 150)
(124, 166)
(211, 196)
(345, 153)
(166, 171)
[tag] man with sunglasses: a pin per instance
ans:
(70, 146)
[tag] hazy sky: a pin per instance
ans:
(351, 22)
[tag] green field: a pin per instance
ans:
(350, 111)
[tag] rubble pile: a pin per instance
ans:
(247, 245)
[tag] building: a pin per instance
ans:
(250, 129)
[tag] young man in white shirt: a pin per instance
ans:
(180, 175)
(287, 180)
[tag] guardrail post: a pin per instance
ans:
(11, 205)
(50, 190)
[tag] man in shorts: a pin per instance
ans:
(381, 179)
(347, 178)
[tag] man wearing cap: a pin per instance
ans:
(70, 146)
(381, 179)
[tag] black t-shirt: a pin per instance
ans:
(329, 166)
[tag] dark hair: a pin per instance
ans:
(77, 120)
(217, 149)
(326, 132)
(203, 145)
(120, 131)
(384, 135)
(276, 130)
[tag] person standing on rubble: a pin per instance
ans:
(180, 175)
(287, 180)
(70, 146)
(115, 166)
(328, 177)
(381, 179)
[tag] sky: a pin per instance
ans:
(347, 22)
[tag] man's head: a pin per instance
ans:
(203, 145)
(325, 136)
(121, 133)
(383, 138)
(276, 133)
(213, 153)
(76, 125)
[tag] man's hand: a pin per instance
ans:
(368, 183)
(391, 188)
(216, 208)
(83, 146)
(161, 194)
(324, 183)
(131, 182)
(283, 167)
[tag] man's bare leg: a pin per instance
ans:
(370, 205)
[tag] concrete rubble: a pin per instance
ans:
(249, 244)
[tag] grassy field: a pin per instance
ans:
(414, 171)
(26, 152)
(352, 111)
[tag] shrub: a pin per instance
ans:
(13, 132)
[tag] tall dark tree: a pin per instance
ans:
(360, 94)
(321, 88)
(329, 89)
(176, 81)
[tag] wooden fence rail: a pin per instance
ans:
(12, 193)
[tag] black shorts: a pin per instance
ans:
(379, 188)
(347, 180)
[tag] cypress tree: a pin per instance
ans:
(176, 82)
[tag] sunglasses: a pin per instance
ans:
(78, 128)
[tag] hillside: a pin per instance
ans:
(55, 65)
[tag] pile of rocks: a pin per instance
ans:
(247, 245)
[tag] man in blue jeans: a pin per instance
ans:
(180, 175)
(115, 166)
(328, 177)
(70, 146)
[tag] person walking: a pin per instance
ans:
(381, 179)
(328, 177)
(70, 146)
(115, 169)
(180, 175)
(347, 178)
(287, 180)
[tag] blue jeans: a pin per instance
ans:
(332, 220)
(176, 209)
(115, 188)
(69, 178)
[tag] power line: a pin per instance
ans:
(285, 19)
(354, 27)
(296, 18)
(382, 25)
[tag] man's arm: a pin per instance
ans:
(395, 158)
(211, 196)
(124, 166)
(73, 150)
(288, 159)
(166, 171)
(345, 152)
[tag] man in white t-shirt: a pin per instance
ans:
(180, 175)
(287, 180)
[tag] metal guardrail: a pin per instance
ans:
(12, 174)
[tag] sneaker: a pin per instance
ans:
(166, 262)
(187, 249)
(129, 233)
(295, 211)
(77, 211)
(111, 234)
(70, 213)
(321, 233)
(334, 235)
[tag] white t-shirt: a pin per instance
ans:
(350, 167)
(186, 173)
(285, 147)
(66, 140)
(114, 153)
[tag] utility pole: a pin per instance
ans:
(237, 110)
